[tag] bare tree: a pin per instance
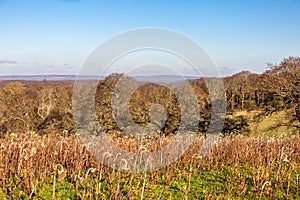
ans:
(284, 81)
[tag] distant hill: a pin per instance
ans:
(38, 77)
(155, 78)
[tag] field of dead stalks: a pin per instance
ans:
(59, 167)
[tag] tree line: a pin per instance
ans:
(46, 106)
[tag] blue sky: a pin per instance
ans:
(56, 36)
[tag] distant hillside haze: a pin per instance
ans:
(155, 78)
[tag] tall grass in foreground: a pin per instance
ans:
(57, 167)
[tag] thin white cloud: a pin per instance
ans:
(8, 67)
(5, 61)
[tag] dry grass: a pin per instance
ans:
(52, 166)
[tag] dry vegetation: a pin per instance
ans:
(53, 166)
(41, 158)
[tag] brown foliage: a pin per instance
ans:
(46, 107)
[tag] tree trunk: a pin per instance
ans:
(232, 102)
(297, 109)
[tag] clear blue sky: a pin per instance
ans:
(55, 36)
